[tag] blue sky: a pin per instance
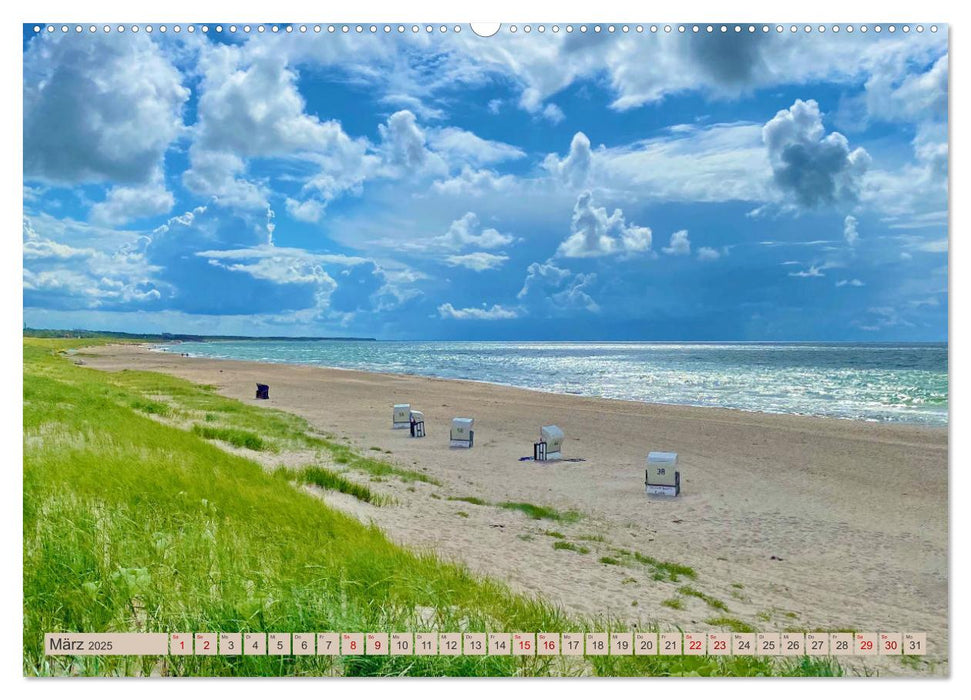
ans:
(729, 186)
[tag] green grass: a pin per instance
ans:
(610, 561)
(571, 547)
(554, 533)
(666, 570)
(238, 438)
(151, 407)
(542, 512)
(332, 481)
(673, 603)
(468, 499)
(131, 524)
(591, 538)
(730, 623)
(695, 593)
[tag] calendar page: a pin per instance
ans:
(539, 349)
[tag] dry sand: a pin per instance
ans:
(792, 522)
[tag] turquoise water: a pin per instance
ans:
(905, 383)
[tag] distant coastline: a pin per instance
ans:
(174, 337)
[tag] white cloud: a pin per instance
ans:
(894, 94)
(558, 289)
(594, 233)
(935, 246)
(308, 211)
(98, 108)
(553, 114)
(496, 313)
(850, 283)
(706, 253)
(574, 168)
(479, 261)
(72, 265)
(404, 141)
(679, 245)
(850, 234)
(464, 147)
(716, 163)
(217, 174)
(812, 271)
(809, 165)
(250, 107)
(286, 267)
(466, 232)
(474, 183)
(126, 203)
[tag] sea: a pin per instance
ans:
(882, 382)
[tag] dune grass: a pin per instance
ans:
(468, 499)
(560, 544)
(331, 481)
(237, 438)
(131, 524)
(710, 600)
(542, 512)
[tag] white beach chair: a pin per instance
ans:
(550, 444)
(662, 478)
(401, 417)
(461, 434)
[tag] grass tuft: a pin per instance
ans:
(695, 593)
(238, 438)
(331, 481)
(570, 546)
(730, 623)
(468, 499)
(542, 512)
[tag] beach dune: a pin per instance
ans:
(789, 522)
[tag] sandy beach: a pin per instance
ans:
(791, 522)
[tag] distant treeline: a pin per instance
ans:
(160, 337)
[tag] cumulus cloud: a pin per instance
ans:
(553, 114)
(308, 211)
(679, 244)
(99, 108)
(558, 289)
(218, 175)
(895, 94)
(71, 265)
(706, 253)
(850, 234)
(404, 141)
(467, 232)
(250, 107)
(127, 203)
(809, 165)
(594, 233)
(479, 261)
(496, 313)
(574, 168)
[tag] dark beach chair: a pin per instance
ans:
(262, 391)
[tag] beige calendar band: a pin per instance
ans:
(486, 644)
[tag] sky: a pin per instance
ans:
(546, 186)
